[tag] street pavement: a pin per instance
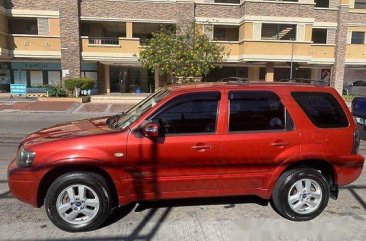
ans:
(33, 106)
(237, 218)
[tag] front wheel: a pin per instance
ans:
(78, 202)
(301, 194)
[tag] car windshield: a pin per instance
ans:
(127, 118)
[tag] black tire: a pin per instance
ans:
(92, 181)
(282, 188)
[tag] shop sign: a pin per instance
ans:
(18, 89)
(35, 66)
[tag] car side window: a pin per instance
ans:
(189, 114)
(322, 109)
(257, 111)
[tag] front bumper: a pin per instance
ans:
(23, 184)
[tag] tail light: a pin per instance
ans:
(356, 142)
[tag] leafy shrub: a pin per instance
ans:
(81, 83)
(87, 84)
(56, 91)
(348, 97)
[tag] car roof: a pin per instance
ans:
(245, 85)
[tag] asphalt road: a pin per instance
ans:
(243, 218)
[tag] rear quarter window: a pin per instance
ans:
(322, 109)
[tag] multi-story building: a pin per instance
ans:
(43, 41)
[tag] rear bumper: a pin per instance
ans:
(350, 169)
(22, 184)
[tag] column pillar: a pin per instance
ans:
(107, 79)
(70, 38)
(315, 74)
(101, 78)
(269, 72)
(129, 30)
(340, 49)
(157, 79)
(253, 74)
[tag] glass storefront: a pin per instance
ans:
(223, 72)
(284, 73)
(5, 77)
(125, 79)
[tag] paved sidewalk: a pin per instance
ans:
(23, 105)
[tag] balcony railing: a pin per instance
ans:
(103, 41)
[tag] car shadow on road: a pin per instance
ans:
(6, 195)
(353, 190)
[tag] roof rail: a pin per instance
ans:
(305, 81)
(234, 80)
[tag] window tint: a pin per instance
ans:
(322, 109)
(257, 110)
(191, 113)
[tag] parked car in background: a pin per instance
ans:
(233, 79)
(359, 114)
(357, 88)
(307, 81)
(294, 144)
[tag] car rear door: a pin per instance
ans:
(260, 136)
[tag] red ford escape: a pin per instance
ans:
(293, 144)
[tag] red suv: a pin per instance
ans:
(293, 144)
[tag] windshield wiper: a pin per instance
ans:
(113, 120)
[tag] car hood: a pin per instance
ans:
(69, 130)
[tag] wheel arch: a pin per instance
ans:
(56, 172)
(325, 167)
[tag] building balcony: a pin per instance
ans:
(28, 46)
(103, 41)
(3, 45)
(322, 53)
(110, 49)
(356, 54)
(276, 51)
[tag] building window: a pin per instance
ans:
(321, 3)
(226, 33)
(358, 38)
(361, 4)
(319, 36)
(228, 1)
(23, 26)
(36, 78)
(278, 31)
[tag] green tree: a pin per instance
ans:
(181, 53)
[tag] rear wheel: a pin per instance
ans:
(301, 194)
(78, 201)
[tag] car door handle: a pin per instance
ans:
(201, 147)
(279, 144)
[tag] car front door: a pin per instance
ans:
(260, 136)
(181, 161)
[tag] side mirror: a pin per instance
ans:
(151, 130)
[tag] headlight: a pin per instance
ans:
(25, 158)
